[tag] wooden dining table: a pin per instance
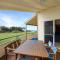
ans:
(32, 48)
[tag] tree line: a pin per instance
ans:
(10, 29)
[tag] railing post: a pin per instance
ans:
(26, 31)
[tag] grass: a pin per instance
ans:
(8, 37)
(5, 35)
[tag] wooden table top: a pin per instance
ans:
(32, 48)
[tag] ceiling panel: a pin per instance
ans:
(47, 3)
(28, 5)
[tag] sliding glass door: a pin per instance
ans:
(49, 31)
(57, 33)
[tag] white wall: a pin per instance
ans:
(50, 14)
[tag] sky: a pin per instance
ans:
(11, 18)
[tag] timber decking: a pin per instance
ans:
(9, 58)
(13, 57)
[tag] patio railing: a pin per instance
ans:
(6, 41)
(13, 38)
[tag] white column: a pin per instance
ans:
(40, 28)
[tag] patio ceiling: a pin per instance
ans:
(32, 21)
(28, 5)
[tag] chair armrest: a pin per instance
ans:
(10, 49)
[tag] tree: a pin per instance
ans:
(11, 29)
(16, 29)
(4, 29)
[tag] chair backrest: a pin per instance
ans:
(18, 42)
(14, 44)
(54, 49)
(49, 43)
(51, 52)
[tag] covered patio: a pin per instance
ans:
(46, 11)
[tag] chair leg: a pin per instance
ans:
(42, 58)
(6, 54)
(18, 57)
(36, 58)
(55, 56)
(6, 57)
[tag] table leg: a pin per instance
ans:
(16, 56)
(36, 58)
(55, 57)
(20, 57)
(42, 58)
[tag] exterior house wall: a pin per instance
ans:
(47, 15)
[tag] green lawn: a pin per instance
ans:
(5, 35)
(8, 37)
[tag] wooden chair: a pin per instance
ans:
(51, 50)
(58, 53)
(52, 55)
(11, 47)
(58, 50)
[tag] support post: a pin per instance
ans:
(26, 31)
(53, 32)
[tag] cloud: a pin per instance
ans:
(13, 18)
(9, 21)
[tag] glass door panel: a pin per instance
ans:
(57, 33)
(48, 28)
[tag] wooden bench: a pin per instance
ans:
(11, 47)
